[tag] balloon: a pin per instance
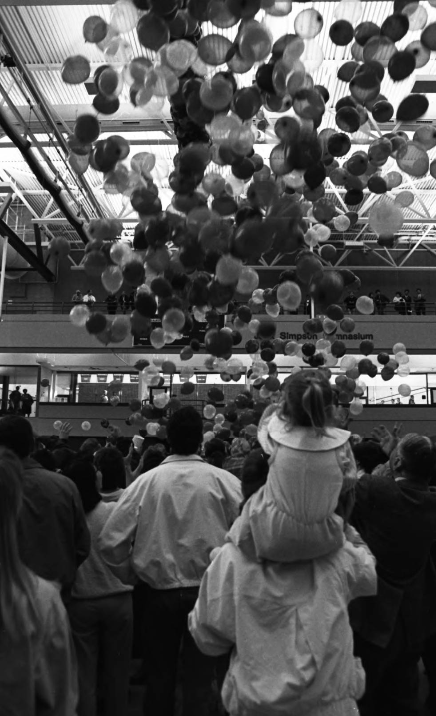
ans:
(112, 279)
(120, 328)
(348, 362)
(157, 338)
(209, 412)
(365, 305)
(161, 400)
(114, 400)
(57, 424)
(75, 70)
(79, 315)
(399, 348)
(356, 407)
(289, 295)
(404, 389)
(86, 425)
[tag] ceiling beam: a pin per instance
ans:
(24, 251)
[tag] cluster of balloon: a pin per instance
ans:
(229, 208)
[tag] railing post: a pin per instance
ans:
(3, 273)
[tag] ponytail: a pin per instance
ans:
(313, 406)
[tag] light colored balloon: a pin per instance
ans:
(57, 424)
(365, 305)
(86, 425)
(112, 279)
(79, 315)
(356, 407)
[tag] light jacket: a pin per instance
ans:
(292, 516)
(288, 627)
(167, 522)
(38, 674)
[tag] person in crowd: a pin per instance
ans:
(350, 302)
(380, 302)
(63, 456)
(310, 459)
(164, 528)
(89, 299)
(15, 400)
(131, 300)
(37, 666)
(412, 400)
(396, 517)
(368, 455)
(399, 303)
(151, 457)
(88, 449)
(100, 612)
(45, 458)
(215, 452)
(239, 449)
(53, 537)
(307, 305)
(111, 303)
(372, 297)
(408, 301)
(111, 472)
(77, 297)
(286, 623)
(419, 301)
(26, 403)
(123, 302)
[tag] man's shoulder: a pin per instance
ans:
(35, 474)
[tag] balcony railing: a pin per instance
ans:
(64, 307)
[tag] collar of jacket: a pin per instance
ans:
(180, 458)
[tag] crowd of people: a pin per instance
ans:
(403, 302)
(20, 402)
(290, 572)
(125, 301)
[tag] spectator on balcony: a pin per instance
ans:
(350, 302)
(408, 301)
(112, 304)
(77, 297)
(15, 400)
(89, 298)
(419, 300)
(26, 403)
(380, 301)
(372, 297)
(124, 302)
(399, 303)
(131, 300)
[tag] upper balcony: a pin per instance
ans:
(40, 326)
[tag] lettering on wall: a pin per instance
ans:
(285, 336)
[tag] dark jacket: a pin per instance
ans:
(397, 520)
(53, 536)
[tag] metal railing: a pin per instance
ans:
(20, 306)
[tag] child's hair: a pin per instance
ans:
(308, 400)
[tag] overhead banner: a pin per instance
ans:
(416, 332)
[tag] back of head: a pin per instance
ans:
(16, 586)
(254, 473)
(83, 474)
(45, 458)
(308, 400)
(88, 449)
(369, 454)
(110, 462)
(16, 434)
(416, 458)
(185, 431)
(63, 456)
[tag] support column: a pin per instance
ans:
(3, 273)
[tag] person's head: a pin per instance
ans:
(398, 294)
(185, 431)
(45, 459)
(152, 457)
(79, 292)
(110, 463)
(351, 294)
(254, 473)
(88, 449)
(83, 474)
(414, 458)
(215, 452)
(16, 586)
(18, 387)
(89, 292)
(24, 390)
(406, 291)
(239, 447)
(368, 454)
(308, 400)
(16, 434)
(63, 456)
(377, 290)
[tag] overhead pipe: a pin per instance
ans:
(44, 107)
(25, 147)
(24, 251)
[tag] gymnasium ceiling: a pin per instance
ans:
(41, 36)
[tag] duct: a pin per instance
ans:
(24, 251)
(54, 190)
(44, 107)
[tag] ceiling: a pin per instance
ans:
(44, 35)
